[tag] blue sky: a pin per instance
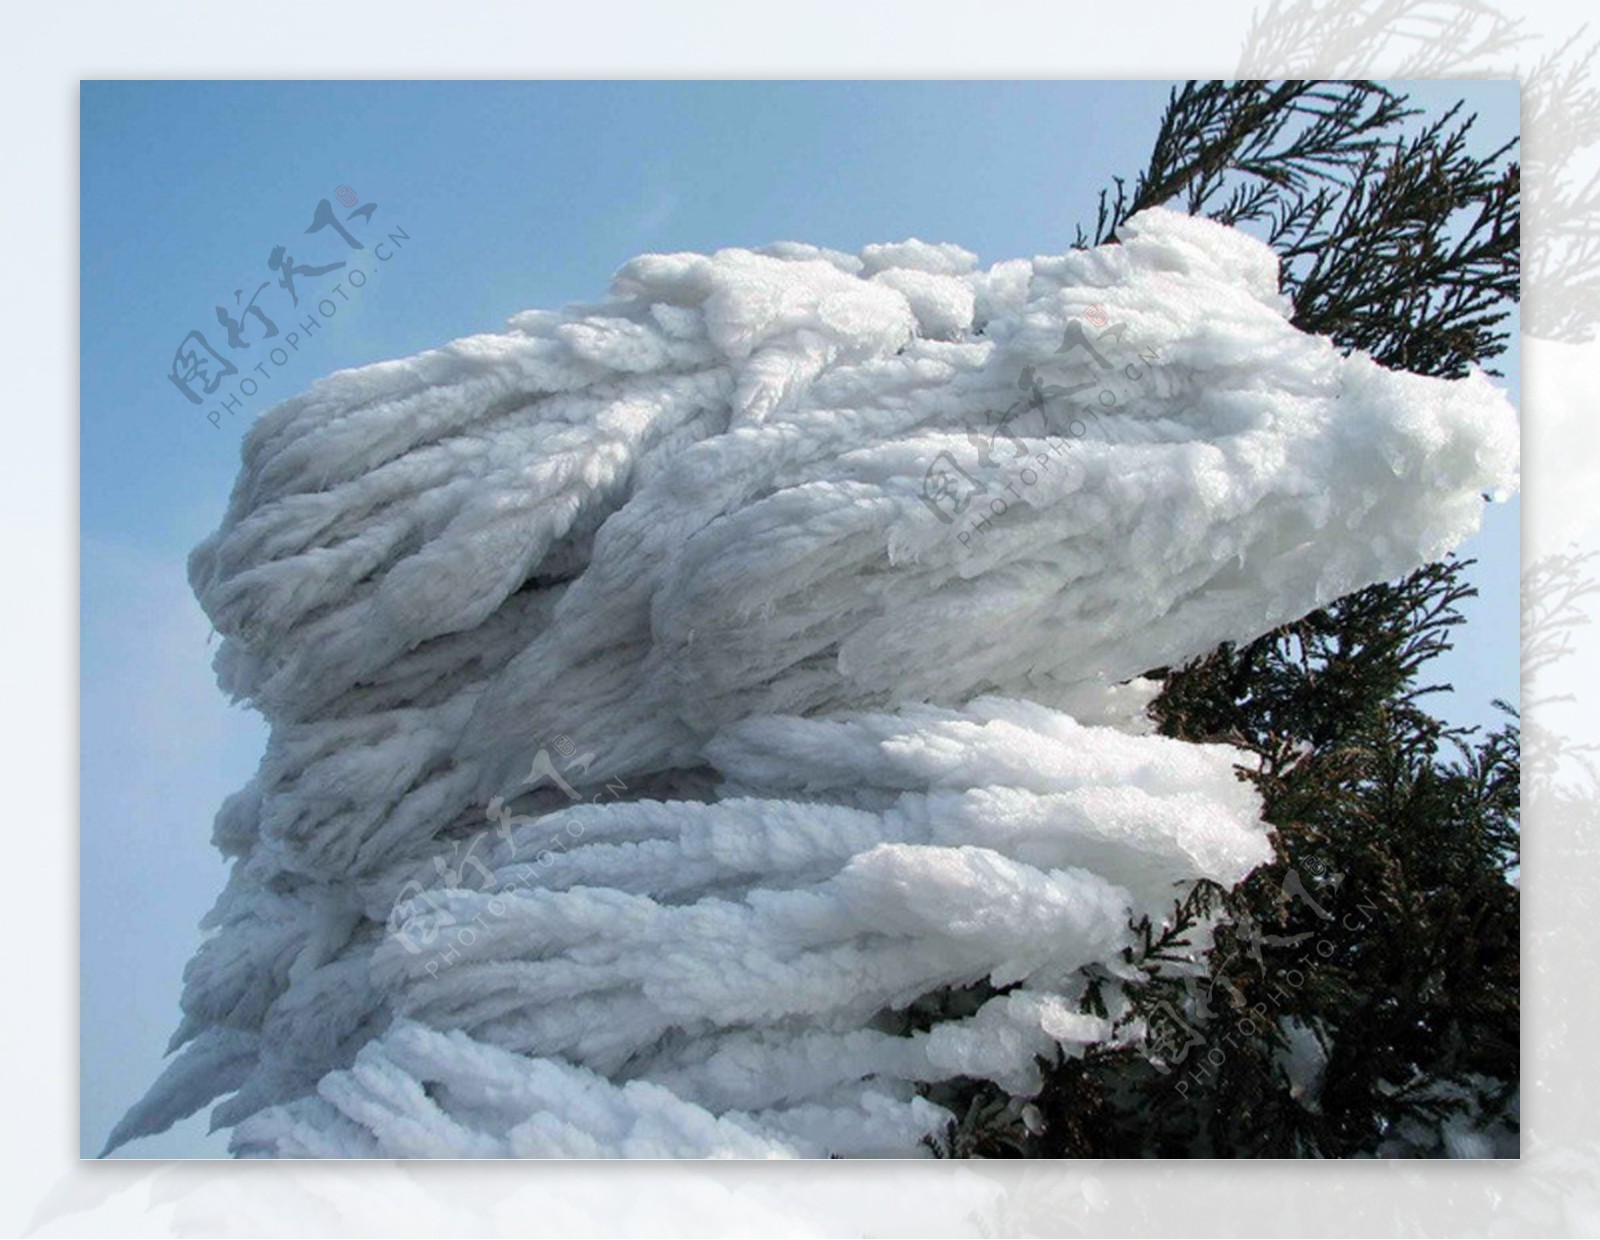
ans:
(512, 195)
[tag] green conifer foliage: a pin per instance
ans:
(1361, 995)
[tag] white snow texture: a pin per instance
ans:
(816, 581)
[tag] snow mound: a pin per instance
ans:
(823, 583)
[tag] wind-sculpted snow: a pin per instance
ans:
(824, 583)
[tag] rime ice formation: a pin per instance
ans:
(824, 583)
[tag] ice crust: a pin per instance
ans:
(844, 733)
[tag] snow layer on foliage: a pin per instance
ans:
(737, 956)
(828, 578)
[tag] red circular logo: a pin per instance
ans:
(346, 196)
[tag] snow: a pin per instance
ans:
(825, 582)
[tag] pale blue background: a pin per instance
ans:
(514, 195)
